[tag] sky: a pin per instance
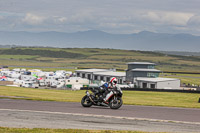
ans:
(112, 16)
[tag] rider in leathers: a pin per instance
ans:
(106, 88)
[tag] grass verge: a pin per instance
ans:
(45, 130)
(169, 99)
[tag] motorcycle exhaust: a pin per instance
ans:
(88, 94)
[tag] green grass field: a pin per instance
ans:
(169, 99)
(44, 130)
(185, 78)
(94, 58)
(72, 58)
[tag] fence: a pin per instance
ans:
(6, 83)
(156, 90)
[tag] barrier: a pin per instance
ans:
(6, 83)
(156, 90)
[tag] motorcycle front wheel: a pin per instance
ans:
(116, 103)
(86, 102)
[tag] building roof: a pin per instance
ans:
(110, 73)
(145, 70)
(141, 63)
(93, 70)
(155, 79)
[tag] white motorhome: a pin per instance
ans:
(17, 70)
(5, 72)
(14, 75)
(77, 80)
(75, 83)
(30, 84)
(18, 82)
(26, 84)
(51, 81)
(61, 84)
(28, 78)
(42, 82)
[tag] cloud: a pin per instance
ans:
(33, 19)
(139, 20)
(116, 25)
(62, 19)
(167, 18)
(83, 16)
(57, 19)
(114, 16)
(194, 21)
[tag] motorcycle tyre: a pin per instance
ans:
(116, 107)
(83, 101)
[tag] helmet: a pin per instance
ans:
(113, 80)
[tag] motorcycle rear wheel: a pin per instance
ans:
(116, 103)
(86, 102)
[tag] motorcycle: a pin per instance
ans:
(113, 99)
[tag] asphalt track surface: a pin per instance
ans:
(45, 114)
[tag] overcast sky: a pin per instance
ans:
(113, 16)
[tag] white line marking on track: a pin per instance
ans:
(105, 116)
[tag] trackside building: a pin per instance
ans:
(141, 74)
(89, 73)
(144, 75)
(158, 83)
(141, 69)
(101, 75)
(105, 76)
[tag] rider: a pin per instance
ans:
(107, 86)
(113, 82)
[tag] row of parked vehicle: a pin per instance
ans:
(35, 78)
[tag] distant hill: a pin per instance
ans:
(97, 39)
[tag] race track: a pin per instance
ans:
(45, 114)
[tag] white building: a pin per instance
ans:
(158, 83)
(89, 73)
(98, 75)
(105, 76)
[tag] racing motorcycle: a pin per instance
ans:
(113, 99)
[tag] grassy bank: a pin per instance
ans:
(95, 58)
(44, 130)
(170, 99)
